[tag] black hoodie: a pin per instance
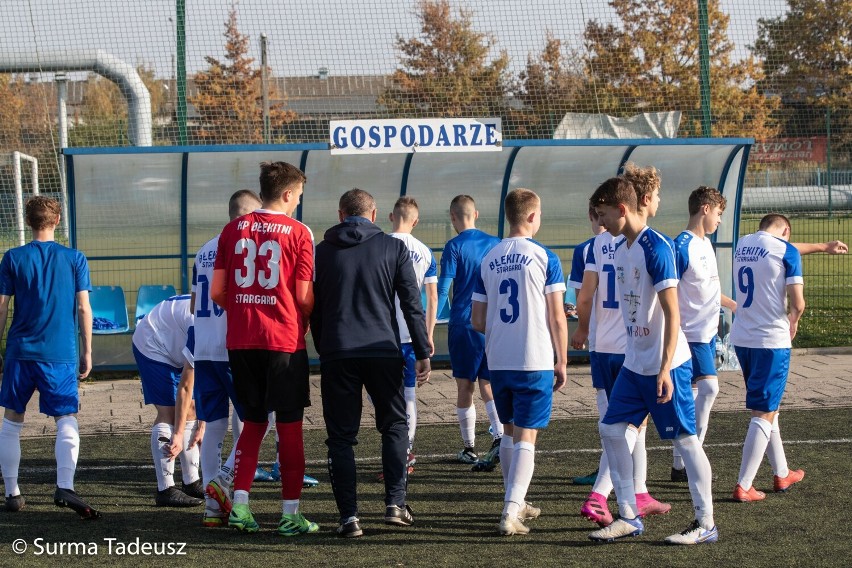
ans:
(359, 268)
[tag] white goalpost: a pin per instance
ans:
(17, 158)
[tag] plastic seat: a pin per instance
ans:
(109, 310)
(149, 296)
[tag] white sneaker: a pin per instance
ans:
(512, 525)
(528, 512)
(619, 528)
(694, 534)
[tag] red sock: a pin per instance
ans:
(248, 448)
(291, 459)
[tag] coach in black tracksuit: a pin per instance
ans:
(358, 270)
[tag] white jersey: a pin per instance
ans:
(161, 334)
(514, 278)
(699, 294)
(210, 321)
(575, 281)
(425, 270)
(611, 334)
(641, 271)
(764, 266)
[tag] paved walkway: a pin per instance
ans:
(818, 378)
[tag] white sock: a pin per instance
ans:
(756, 442)
(240, 497)
(211, 449)
(707, 391)
(640, 462)
(290, 507)
(614, 440)
(520, 475)
(411, 414)
(467, 423)
(603, 483)
(163, 467)
(507, 450)
(631, 435)
(226, 472)
(10, 455)
(700, 479)
(190, 458)
(67, 450)
(775, 451)
(496, 425)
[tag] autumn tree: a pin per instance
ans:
(650, 63)
(11, 111)
(229, 97)
(807, 59)
(447, 71)
(548, 88)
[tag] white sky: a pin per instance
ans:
(355, 37)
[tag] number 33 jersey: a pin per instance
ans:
(514, 278)
(264, 254)
(764, 266)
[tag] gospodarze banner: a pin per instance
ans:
(400, 136)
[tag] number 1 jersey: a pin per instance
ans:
(264, 253)
(514, 278)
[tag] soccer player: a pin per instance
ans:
(460, 267)
(768, 275)
(699, 298)
(360, 272)
(404, 217)
(657, 370)
(158, 347)
(262, 276)
(49, 282)
(517, 303)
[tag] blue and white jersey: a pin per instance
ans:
(611, 335)
(460, 261)
(425, 270)
(210, 322)
(699, 294)
(514, 278)
(161, 334)
(43, 278)
(764, 266)
(641, 271)
(575, 280)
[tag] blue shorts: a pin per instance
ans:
(214, 387)
(765, 373)
(467, 353)
(523, 398)
(409, 375)
(605, 368)
(703, 359)
(635, 395)
(56, 384)
(159, 380)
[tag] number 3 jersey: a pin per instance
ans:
(642, 270)
(264, 254)
(764, 266)
(514, 278)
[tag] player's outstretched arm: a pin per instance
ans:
(671, 327)
(558, 327)
(729, 303)
(183, 405)
(84, 319)
(796, 304)
(585, 301)
(830, 247)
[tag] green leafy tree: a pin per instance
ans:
(650, 63)
(447, 71)
(807, 58)
(229, 97)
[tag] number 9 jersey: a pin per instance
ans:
(264, 253)
(514, 278)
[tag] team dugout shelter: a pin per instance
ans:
(140, 214)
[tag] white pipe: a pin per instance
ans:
(19, 198)
(123, 74)
(62, 110)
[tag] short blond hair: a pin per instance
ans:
(406, 208)
(644, 180)
(519, 204)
